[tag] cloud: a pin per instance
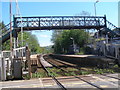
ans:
(45, 36)
(45, 44)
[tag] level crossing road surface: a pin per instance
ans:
(91, 81)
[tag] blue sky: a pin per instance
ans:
(119, 14)
(60, 9)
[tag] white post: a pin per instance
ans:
(106, 39)
(15, 41)
(104, 48)
(73, 44)
(3, 70)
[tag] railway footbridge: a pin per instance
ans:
(57, 22)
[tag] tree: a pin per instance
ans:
(63, 41)
(2, 27)
(6, 45)
(28, 39)
(31, 41)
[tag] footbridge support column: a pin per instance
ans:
(15, 42)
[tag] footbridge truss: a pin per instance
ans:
(54, 23)
(59, 22)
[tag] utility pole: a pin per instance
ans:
(29, 61)
(11, 26)
(11, 49)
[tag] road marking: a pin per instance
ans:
(76, 83)
(103, 86)
(40, 80)
(112, 79)
(0, 86)
(98, 78)
(20, 86)
(36, 86)
(12, 82)
(48, 85)
(81, 86)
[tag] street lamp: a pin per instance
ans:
(73, 44)
(95, 15)
(95, 6)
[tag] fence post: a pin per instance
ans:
(29, 61)
(105, 20)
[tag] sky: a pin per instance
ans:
(110, 9)
(119, 14)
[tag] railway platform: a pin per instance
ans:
(86, 60)
(45, 63)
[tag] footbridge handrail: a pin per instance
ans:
(56, 22)
(110, 25)
(7, 27)
(60, 22)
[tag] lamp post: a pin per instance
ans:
(95, 19)
(73, 43)
(95, 6)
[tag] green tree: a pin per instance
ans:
(2, 27)
(6, 45)
(63, 41)
(28, 39)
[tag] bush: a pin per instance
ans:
(84, 50)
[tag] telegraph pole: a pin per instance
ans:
(11, 26)
(11, 49)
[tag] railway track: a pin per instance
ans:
(77, 77)
(58, 64)
(66, 64)
(111, 76)
(53, 77)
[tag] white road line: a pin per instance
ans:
(105, 81)
(40, 80)
(0, 86)
(20, 86)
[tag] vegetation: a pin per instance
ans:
(2, 25)
(6, 45)
(101, 71)
(26, 77)
(28, 39)
(39, 75)
(63, 40)
(47, 49)
(71, 71)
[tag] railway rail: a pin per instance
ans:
(66, 64)
(53, 77)
(77, 77)
(90, 81)
(81, 79)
